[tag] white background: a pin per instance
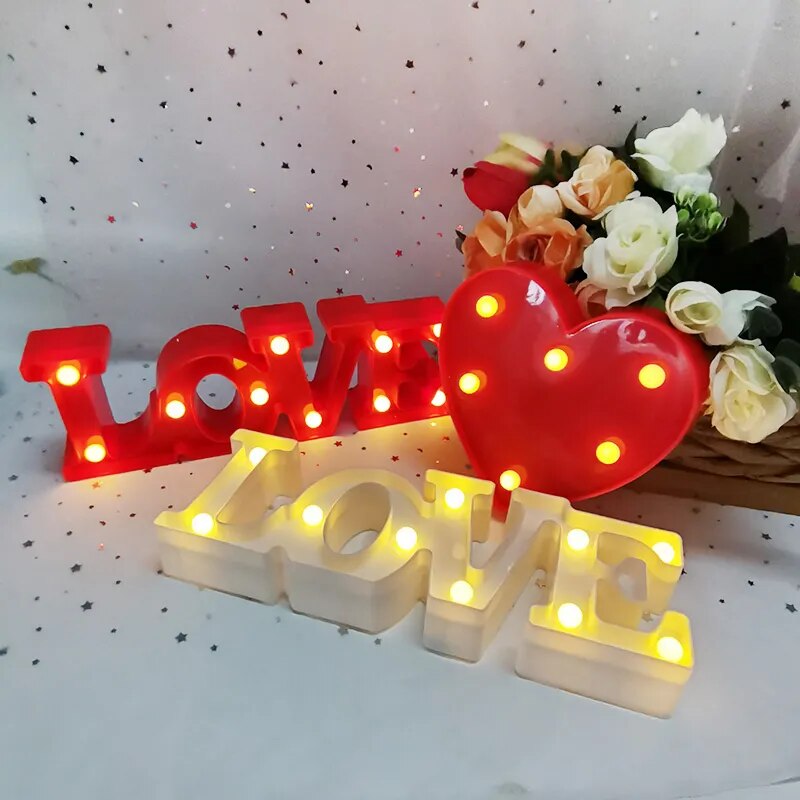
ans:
(294, 709)
(289, 708)
(149, 274)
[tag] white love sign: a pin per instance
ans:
(588, 637)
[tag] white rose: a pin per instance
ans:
(696, 307)
(679, 156)
(747, 403)
(640, 247)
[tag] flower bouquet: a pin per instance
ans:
(637, 224)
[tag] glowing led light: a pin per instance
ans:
(279, 345)
(313, 419)
(259, 395)
(312, 515)
(202, 523)
(608, 452)
(94, 452)
(665, 551)
(556, 359)
(669, 648)
(406, 538)
(454, 498)
(569, 615)
(469, 383)
(381, 403)
(175, 409)
(437, 329)
(439, 399)
(68, 375)
(651, 376)
(487, 306)
(510, 480)
(578, 539)
(383, 343)
(256, 455)
(461, 592)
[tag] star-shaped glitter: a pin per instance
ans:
(398, 253)
(163, 104)
(617, 109)
(31, 120)
(345, 182)
(96, 485)
(343, 630)
(339, 290)
(111, 218)
(12, 478)
(193, 226)
(3, 651)
(213, 648)
(181, 637)
(337, 443)
(75, 568)
(28, 543)
(410, 64)
(790, 607)
(231, 51)
(73, 160)
(285, 165)
(101, 69)
(395, 458)
(378, 640)
(766, 536)
(454, 171)
(785, 104)
(87, 605)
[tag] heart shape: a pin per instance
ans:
(574, 407)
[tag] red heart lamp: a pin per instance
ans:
(545, 399)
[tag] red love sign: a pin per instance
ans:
(543, 398)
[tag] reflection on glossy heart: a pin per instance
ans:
(545, 399)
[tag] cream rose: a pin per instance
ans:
(746, 401)
(485, 246)
(640, 247)
(534, 204)
(679, 156)
(696, 307)
(523, 153)
(599, 182)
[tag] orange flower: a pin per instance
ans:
(551, 241)
(591, 298)
(485, 246)
(600, 181)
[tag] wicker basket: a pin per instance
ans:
(708, 466)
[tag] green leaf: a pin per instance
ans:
(793, 258)
(760, 266)
(736, 233)
(655, 300)
(787, 373)
(569, 163)
(26, 266)
(762, 323)
(788, 348)
(630, 140)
